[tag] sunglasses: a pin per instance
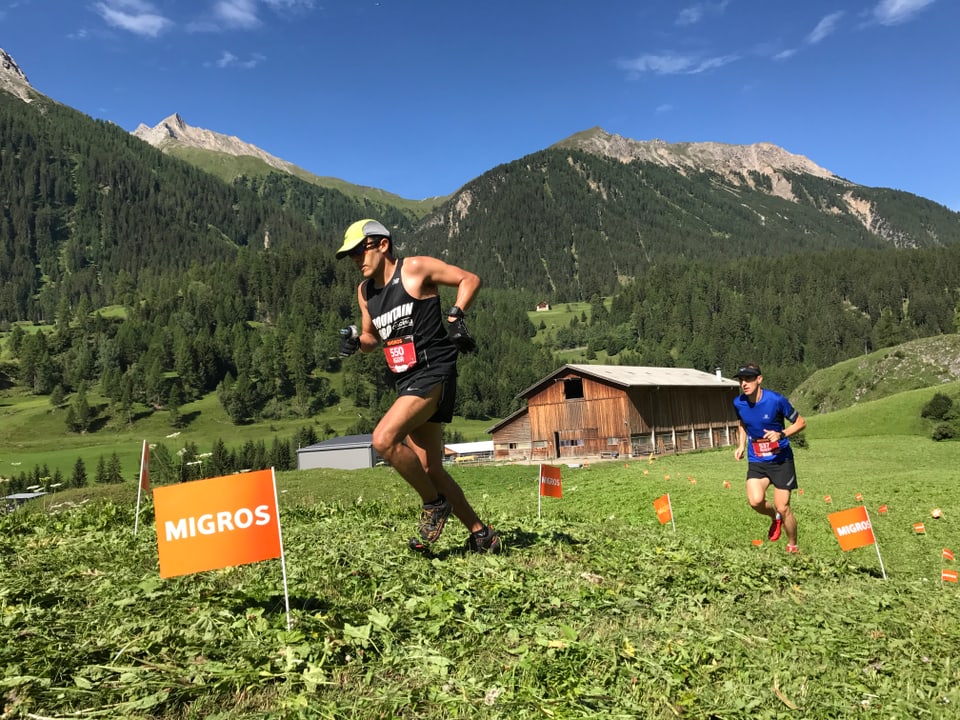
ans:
(363, 247)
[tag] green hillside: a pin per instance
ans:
(229, 167)
(36, 433)
(140, 294)
(914, 365)
(567, 224)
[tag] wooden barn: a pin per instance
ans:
(608, 411)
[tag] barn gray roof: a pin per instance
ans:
(627, 376)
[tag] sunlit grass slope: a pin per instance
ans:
(594, 610)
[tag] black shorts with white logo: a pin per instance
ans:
(782, 475)
(421, 383)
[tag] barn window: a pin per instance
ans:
(573, 388)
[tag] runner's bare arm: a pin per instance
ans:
(741, 441)
(795, 427)
(369, 339)
(422, 275)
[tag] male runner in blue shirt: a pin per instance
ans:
(763, 435)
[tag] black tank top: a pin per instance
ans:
(396, 314)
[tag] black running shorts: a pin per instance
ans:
(420, 384)
(782, 475)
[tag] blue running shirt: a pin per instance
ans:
(768, 413)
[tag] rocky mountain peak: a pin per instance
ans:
(733, 162)
(173, 131)
(12, 78)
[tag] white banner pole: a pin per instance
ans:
(673, 523)
(539, 494)
(136, 517)
(875, 543)
(283, 563)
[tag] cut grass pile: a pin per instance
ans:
(594, 610)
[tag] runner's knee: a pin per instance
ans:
(384, 442)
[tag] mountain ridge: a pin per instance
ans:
(761, 166)
(732, 162)
(208, 149)
(173, 130)
(13, 79)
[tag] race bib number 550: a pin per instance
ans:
(401, 353)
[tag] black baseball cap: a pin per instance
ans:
(750, 370)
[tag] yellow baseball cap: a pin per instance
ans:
(358, 232)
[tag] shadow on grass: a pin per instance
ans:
(187, 418)
(520, 538)
(276, 605)
(512, 539)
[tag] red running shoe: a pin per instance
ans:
(792, 549)
(774, 533)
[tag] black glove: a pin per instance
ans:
(460, 337)
(349, 341)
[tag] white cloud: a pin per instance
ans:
(785, 54)
(893, 12)
(665, 108)
(672, 64)
(237, 13)
(229, 60)
(134, 16)
(692, 14)
(226, 59)
(826, 26)
(715, 62)
(290, 4)
(659, 64)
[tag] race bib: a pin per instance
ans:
(401, 353)
(763, 448)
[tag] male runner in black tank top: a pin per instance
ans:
(400, 306)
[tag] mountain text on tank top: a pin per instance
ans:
(411, 330)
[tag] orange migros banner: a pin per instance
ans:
(210, 524)
(550, 482)
(852, 528)
(663, 508)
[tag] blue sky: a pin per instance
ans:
(420, 96)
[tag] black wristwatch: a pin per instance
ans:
(455, 312)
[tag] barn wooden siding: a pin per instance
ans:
(612, 421)
(512, 440)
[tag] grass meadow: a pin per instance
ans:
(594, 610)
